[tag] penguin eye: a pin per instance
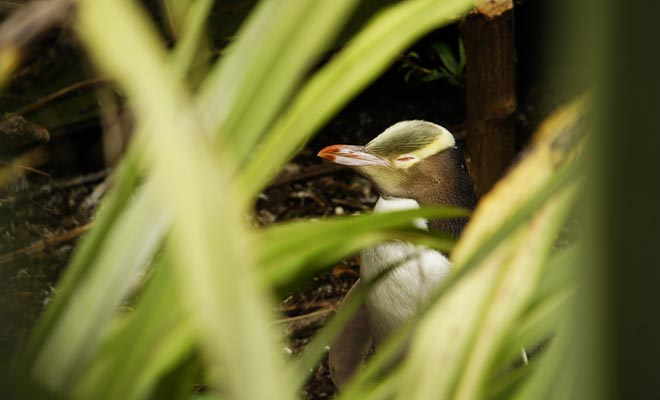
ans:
(406, 159)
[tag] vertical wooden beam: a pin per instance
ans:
(488, 35)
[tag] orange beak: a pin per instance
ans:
(354, 156)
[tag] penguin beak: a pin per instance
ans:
(350, 155)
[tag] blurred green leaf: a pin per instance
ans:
(555, 376)
(290, 247)
(508, 384)
(72, 339)
(174, 14)
(536, 325)
(246, 91)
(126, 179)
(515, 290)
(555, 292)
(191, 45)
(208, 240)
(559, 275)
(143, 347)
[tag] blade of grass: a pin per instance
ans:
(208, 240)
(555, 376)
(189, 46)
(559, 275)
(286, 273)
(263, 67)
(457, 313)
(512, 294)
(125, 180)
(536, 325)
(554, 293)
(292, 246)
(520, 214)
(507, 386)
(174, 13)
(151, 340)
(76, 333)
(292, 233)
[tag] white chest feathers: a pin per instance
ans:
(399, 295)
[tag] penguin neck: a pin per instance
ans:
(444, 180)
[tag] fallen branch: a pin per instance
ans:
(41, 245)
(309, 173)
(301, 322)
(60, 93)
(54, 186)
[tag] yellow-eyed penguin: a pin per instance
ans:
(411, 163)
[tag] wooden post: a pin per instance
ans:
(488, 36)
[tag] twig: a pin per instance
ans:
(28, 161)
(94, 198)
(41, 245)
(352, 204)
(309, 173)
(170, 23)
(60, 93)
(47, 189)
(300, 322)
(306, 305)
(306, 194)
(25, 168)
